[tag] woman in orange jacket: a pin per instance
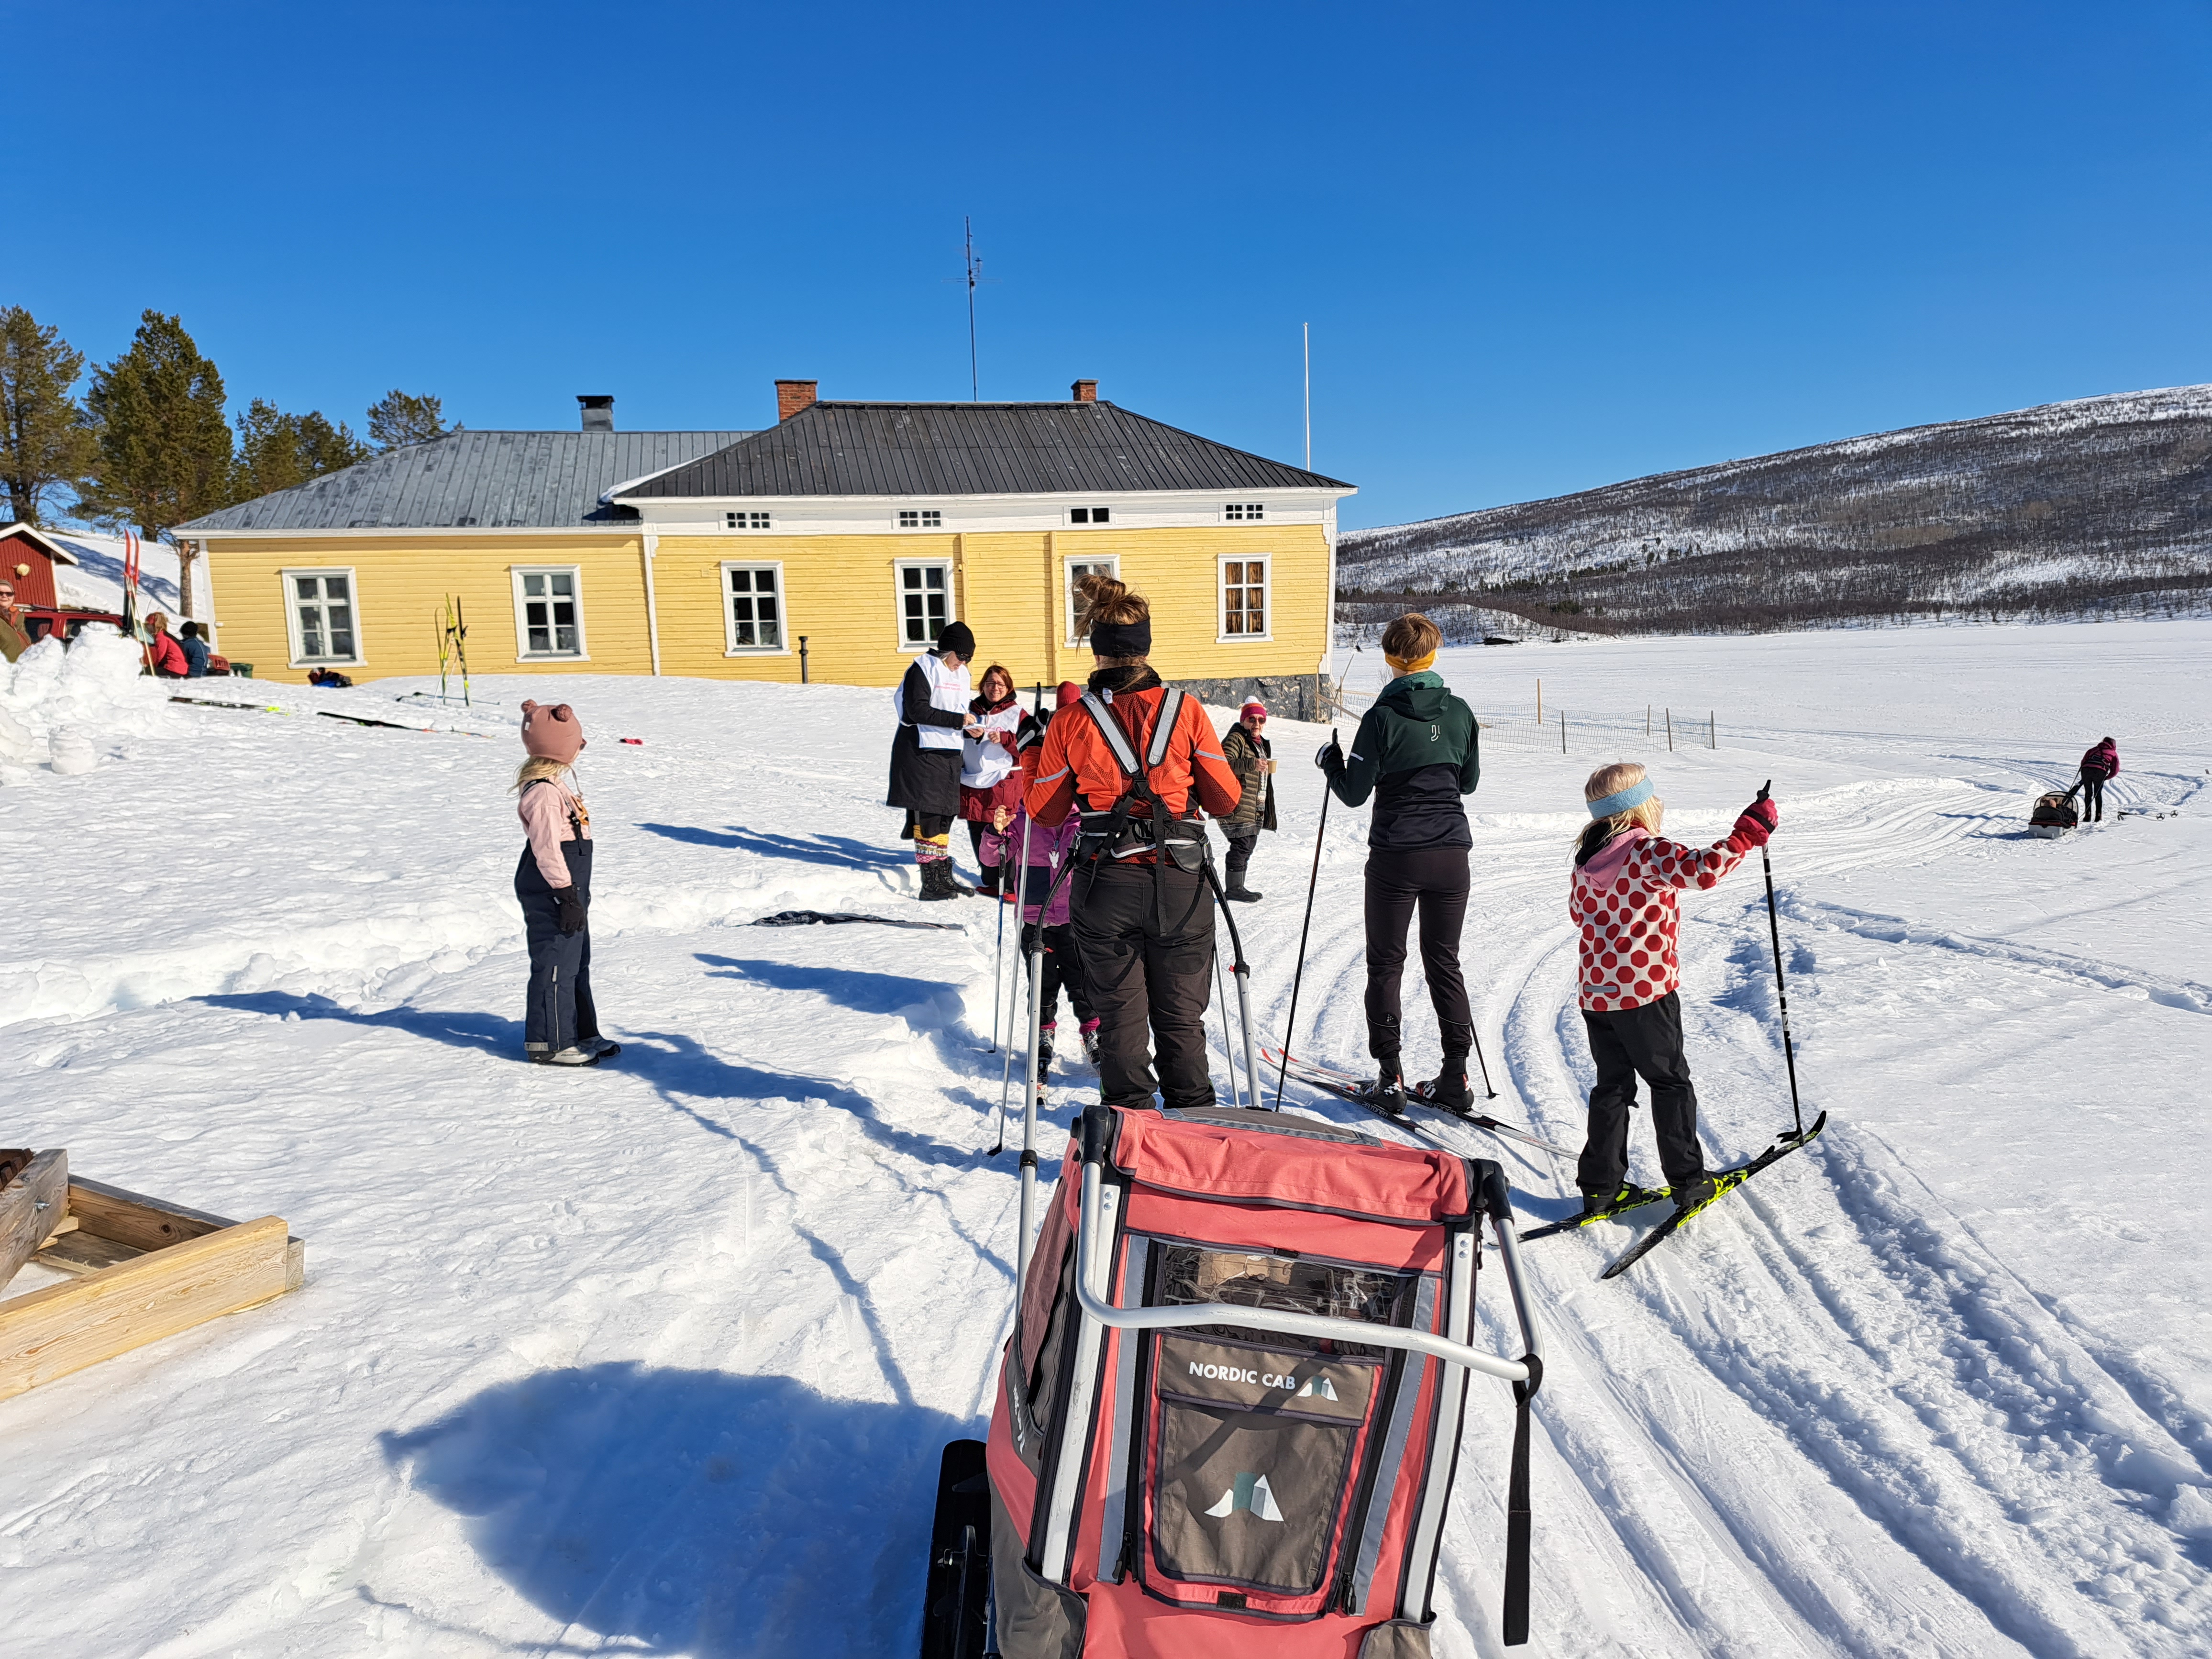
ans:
(1133, 757)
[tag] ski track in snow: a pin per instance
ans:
(646, 1359)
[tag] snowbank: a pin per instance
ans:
(66, 708)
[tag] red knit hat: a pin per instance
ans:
(1255, 707)
(552, 731)
(1069, 692)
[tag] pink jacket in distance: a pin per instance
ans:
(1050, 849)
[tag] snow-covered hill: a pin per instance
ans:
(2100, 506)
(657, 1357)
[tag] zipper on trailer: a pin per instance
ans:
(1355, 1528)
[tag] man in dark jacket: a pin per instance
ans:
(932, 700)
(1416, 752)
(1252, 758)
(2099, 767)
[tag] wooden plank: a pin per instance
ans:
(80, 1255)
(65, 1328)
(131, 1217)
(31, 1206)
(12, 1160)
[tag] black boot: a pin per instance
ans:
(990, 887)
(1241, 894)
(937, 880)
(1448, 1088)
(1387, 1092)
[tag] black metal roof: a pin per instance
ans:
(970, 449)
(474, 480)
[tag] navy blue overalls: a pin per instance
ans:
(561, 1014)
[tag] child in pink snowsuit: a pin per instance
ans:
(1049, 850)
(1623, 903)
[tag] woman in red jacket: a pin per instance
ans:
(164, 656)
(2099, 766)
(1143, 922)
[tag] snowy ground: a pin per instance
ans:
(657, 1357)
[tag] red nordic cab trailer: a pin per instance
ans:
(1229, 1415)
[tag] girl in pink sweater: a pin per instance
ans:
(553, 881)
(1623, 901)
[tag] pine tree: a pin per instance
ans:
(165, 452)
(398, 418)
(276, 451)
(45, 438)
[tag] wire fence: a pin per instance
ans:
(1561, 732)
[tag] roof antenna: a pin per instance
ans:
(974, 278)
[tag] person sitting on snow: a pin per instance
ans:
(195, 648)
(1622, 901)
(2099, 766)
(165, 658)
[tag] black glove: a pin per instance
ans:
(1330, 757)
(573, 915)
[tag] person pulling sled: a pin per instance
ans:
(1132, 758)
(1622, 901)
(553, 881)
(1417, 753)
(2099, 766)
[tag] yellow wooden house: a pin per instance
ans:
(829, 547)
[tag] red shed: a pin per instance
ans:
(27, 557)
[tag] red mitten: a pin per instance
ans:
(1755, 823)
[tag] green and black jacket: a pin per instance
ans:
(1416, 752)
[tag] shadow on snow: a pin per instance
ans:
(840, 852)
(694, 1512)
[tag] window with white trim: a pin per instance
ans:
(1243, 598)
(925, 601)
(1077, 570)
(1244, 511)
(1089, 514)
(921, 518)
(549, 611)
(752, 609)
(744, 521)
(319, 612)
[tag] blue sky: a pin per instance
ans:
(1541, 247)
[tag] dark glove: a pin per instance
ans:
(1756, 822)
(1330, 757)
(573, 915)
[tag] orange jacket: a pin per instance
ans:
(1076, 762)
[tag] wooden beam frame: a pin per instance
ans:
(141, 1268)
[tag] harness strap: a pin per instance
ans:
(1517, 1508)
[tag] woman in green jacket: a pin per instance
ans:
(1251, 758)
(1416, 753)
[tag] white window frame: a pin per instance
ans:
(1222, 636)
(1112, 564)
(1091, 515)
(1243, 513)
(747, 520)
(923, 517)
(293, 643)
(899, 567)
(515, 572)
(730, 647)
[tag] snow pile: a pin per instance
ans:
(67, 706)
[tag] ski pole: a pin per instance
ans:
(1023, 1244)
(1483, 1063)
(1291, 1025)
(1006, 1064)
(1240, 971)
(1781, 990)
(1228, 1037)
(998, 973)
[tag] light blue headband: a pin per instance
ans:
(1621, 800)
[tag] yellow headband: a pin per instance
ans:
(1411, 664)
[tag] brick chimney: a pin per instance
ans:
(1086, 391)
(791, 396)
(598, 413)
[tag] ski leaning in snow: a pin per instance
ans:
(1724, 1182)
(1345, 1086)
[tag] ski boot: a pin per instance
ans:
(1447, 1089)
(571, 1056)
(1692, 1198)
(1090, 1029)
(599, 1048)
(1240, 894)
(1387, 1094)
(988, 882)
(1045, 1035)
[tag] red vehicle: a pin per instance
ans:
(41, 621)
(1228, 1417)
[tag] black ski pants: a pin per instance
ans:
(2092, 796)
(1148, 966)
(1063, 970)
(560, 1013)
(1628, 1043)
(1434, 881)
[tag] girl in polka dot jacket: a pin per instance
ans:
(1624, 906)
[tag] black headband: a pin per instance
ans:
(1121, 639)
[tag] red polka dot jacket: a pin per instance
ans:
(1624, 904)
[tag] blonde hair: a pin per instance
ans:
(1106, 600)
(1610, 780)
(1412, 637)
(158, 621)
(541, 766)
